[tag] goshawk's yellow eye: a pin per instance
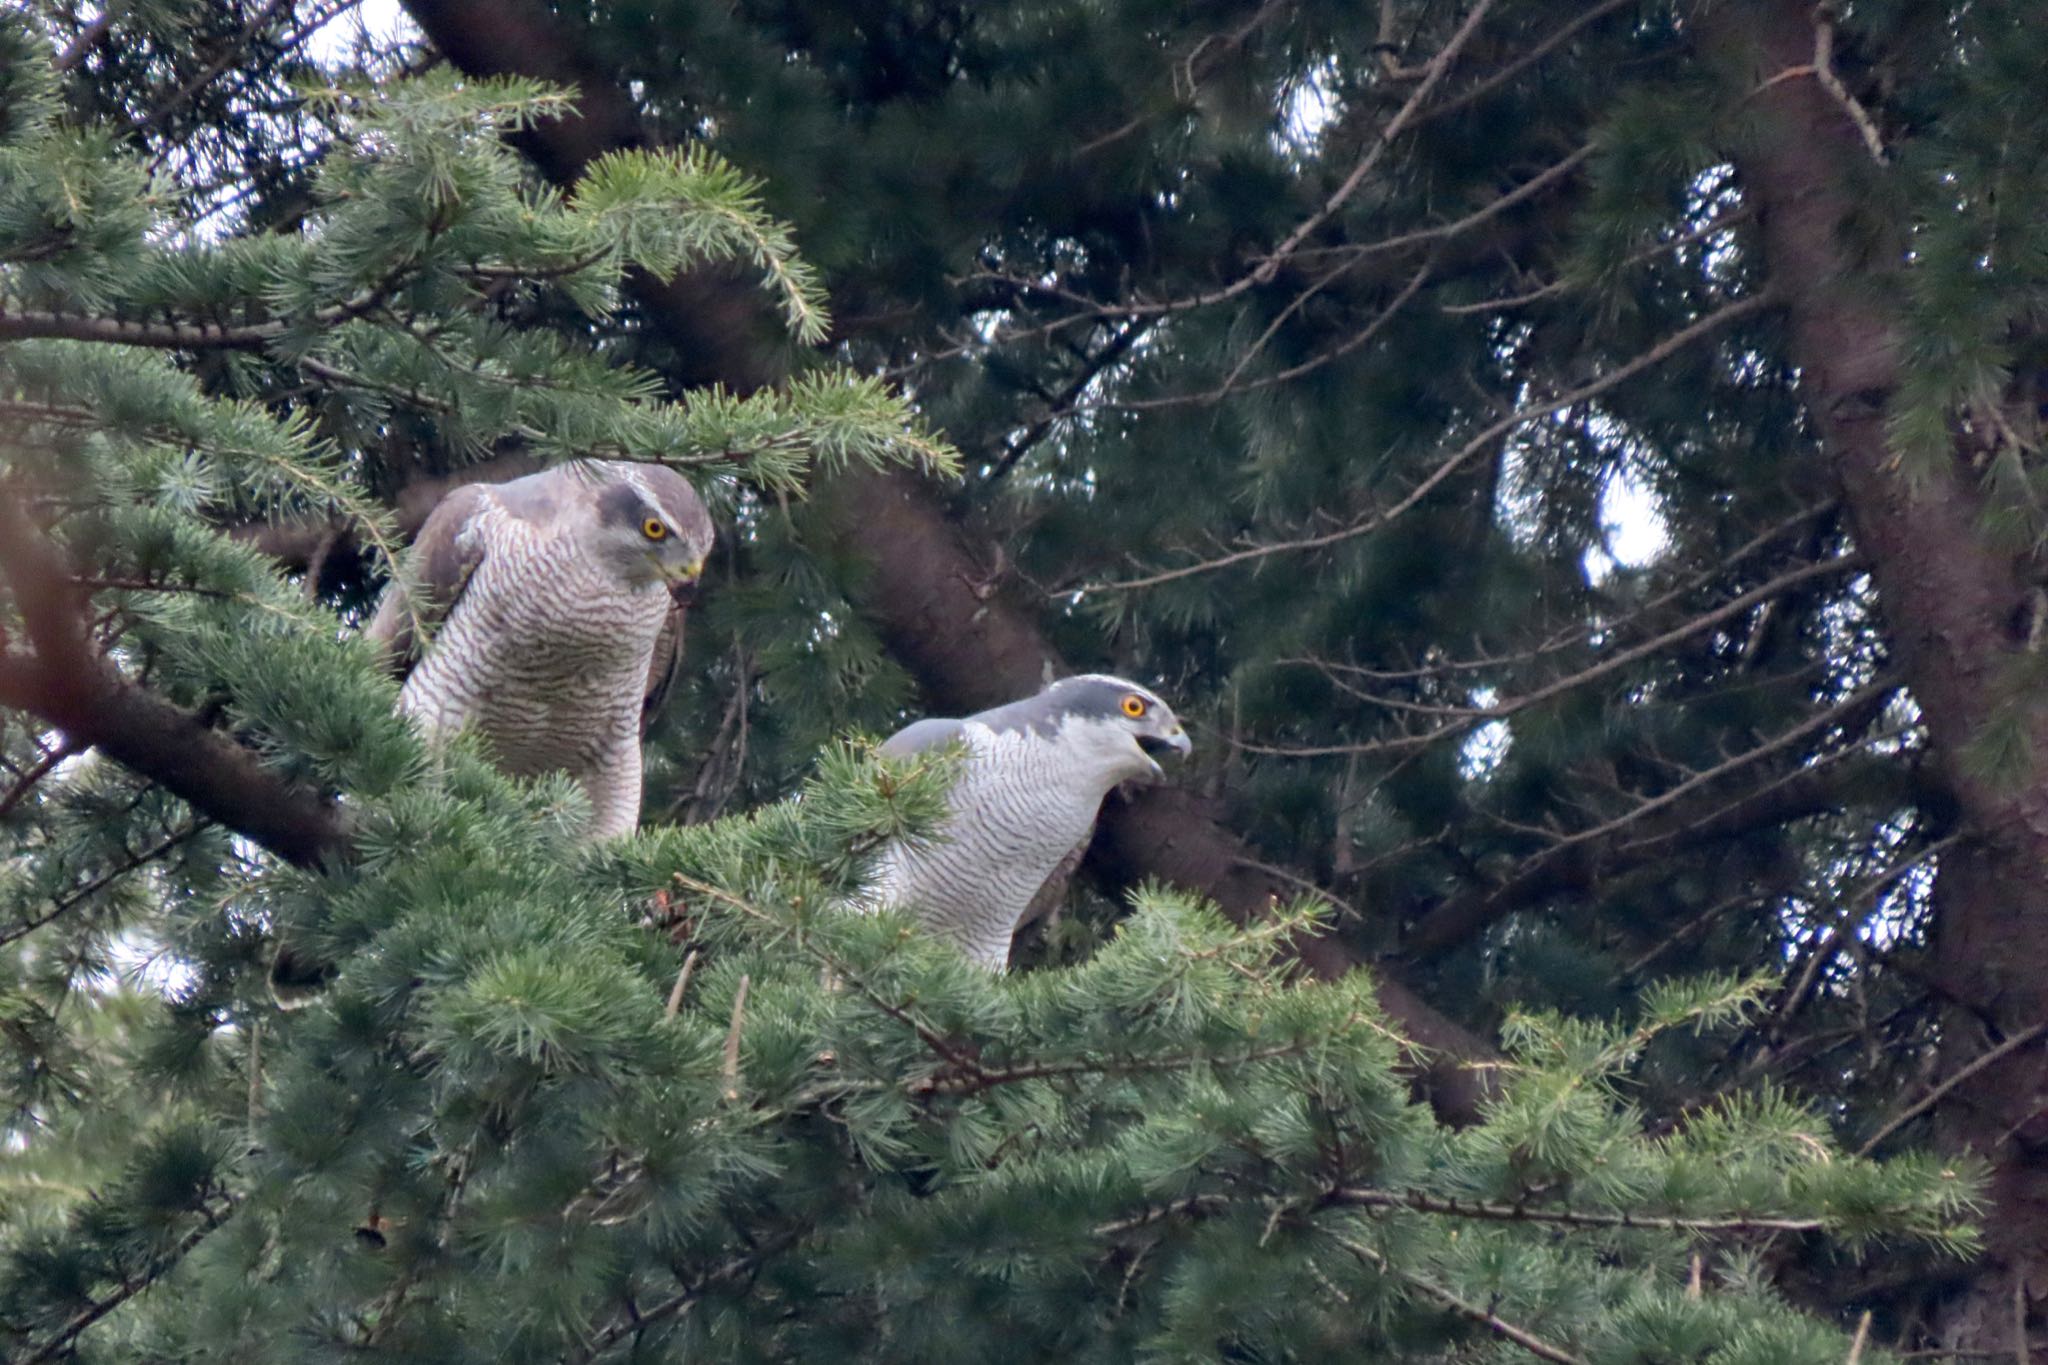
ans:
(1134, 706)
(653, 529)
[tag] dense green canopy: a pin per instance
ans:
(1577, 469)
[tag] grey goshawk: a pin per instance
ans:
(1023, 805)
(547, 614)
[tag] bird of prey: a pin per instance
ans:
(547, 614)
(1022, 807)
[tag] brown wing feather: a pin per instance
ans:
(436, 571)
(663, 668)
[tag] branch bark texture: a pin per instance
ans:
(1949, 597)
(66, 680)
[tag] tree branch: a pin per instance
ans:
(1483, 440)
(70, 684)
(58, 1346)
(1580, 858)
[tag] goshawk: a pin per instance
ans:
(1023, 806)
(547, 614)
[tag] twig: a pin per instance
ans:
(675, 996)
(1433, 73)
(1933, 1097)
(64, 749)
(1468, 716)
(255, 1064)
(1429, 1289)
(1858, 907)
(1824, 72)
(1862, 1334)
(731, 1069)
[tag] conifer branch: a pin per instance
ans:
(984, 1079)
(25, 780)
(178, 336)
(1418, 1201)
(1443, 1297)
(1576, 858)
(65, 904)
(1962, 1074)
(1349, 255)
(1463, 718)
(737, 1268)
(58, 1346)
(960, 1062)
(1719, 223)
(1531, 55)
(1382, 139)
(1269, 264)
(67, 682)
(1233, 386)
(1482, 1211)
(1575, 636)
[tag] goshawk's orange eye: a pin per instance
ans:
(1134, 706)
(653, 529)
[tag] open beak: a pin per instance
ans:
(1156, 747)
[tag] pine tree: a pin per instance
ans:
(1318, 365)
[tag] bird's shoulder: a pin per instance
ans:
(443, 557)
(923, 735)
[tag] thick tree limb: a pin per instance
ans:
(68, 683)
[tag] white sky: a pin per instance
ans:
(382, 20)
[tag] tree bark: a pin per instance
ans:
(1950, 600)
(65, 680)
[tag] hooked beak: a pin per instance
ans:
(682, 582)
(1156, 747)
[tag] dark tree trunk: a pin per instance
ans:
(1951, 601)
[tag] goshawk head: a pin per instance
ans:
(1112, 722)
(651, 527)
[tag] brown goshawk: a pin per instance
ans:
(547, 614)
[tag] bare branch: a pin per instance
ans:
(1962, 1074)
(1493, 1322)
(1465, 717)
(1662, 351)
(1577, 858)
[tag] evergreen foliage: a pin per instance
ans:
(1324, 365)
